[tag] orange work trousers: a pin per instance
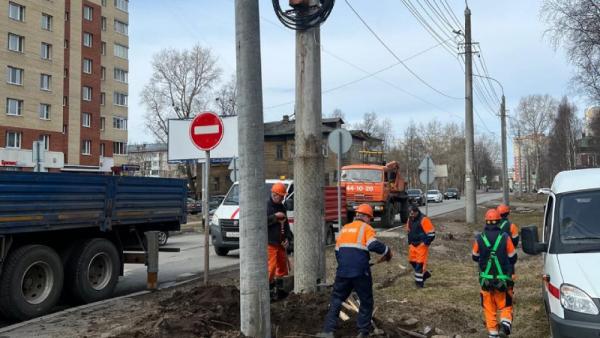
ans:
(494, 301)
(418, 254)
(278, 265)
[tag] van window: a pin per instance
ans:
(578, 217)
(548, 219)
(233, 196)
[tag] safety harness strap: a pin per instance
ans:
(486, 274)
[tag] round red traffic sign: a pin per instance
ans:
(206, 131)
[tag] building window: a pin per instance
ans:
(44, 111)
(121, 75)
(66, 44)
(45, 81)
(102, 123)
(16, 42)
(66, 16)
(13, 140)
(103, 23)
(46, 140)
(102, 149)
(86, 120)
(120, 99)
(104, 3)
(14, 107)
(88, 13)
(121, 27)
(86, 147)
(122, 4)
(120, 123)
(87, 66)
(103, 48)
(87, 93)
(46, 22)
(16, 11)
(87, 39)
(102, 98)
(14, 75)
(103, 73)
(65, 101)
(121, 51)
(279, 152)
(119, 148)
(46, 51)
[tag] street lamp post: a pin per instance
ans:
(504, 150)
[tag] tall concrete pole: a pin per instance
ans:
(504, 152)
(254, 286)
(308, 164)
(470, 194)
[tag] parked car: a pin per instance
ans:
(452, 193)
(194, 206)
(415, 196)
(435, 196)
(571, 247)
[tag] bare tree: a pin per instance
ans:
(337, 112)
(535, 114)
(225, 99)
(575, 25)
(375, 127)
(561, 146)
(179, 87)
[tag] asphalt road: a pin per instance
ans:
(190, 261)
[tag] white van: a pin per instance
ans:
(571, 248)
(224, 224)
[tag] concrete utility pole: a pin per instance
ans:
(504, 152)
(309, 243)
(254, 286)
(470, 193)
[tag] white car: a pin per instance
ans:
(571, 248)
(435, 196)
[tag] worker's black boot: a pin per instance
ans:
(273, 291)
(426, 275)
(505, 327)
(281, 293)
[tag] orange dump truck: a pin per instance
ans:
(381, 186)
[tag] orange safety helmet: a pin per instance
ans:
(492, 215)
(503, 209)
(279, 189)
(365, 209)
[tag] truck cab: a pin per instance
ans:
(571, 248)
(380, 186)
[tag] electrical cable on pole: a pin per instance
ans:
(396, 56)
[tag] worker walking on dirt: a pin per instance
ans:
(279, 237)
(421, 233)
(352, 248)
(496, 255)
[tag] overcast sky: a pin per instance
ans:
(510, 34)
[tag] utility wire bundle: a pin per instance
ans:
(301, 17)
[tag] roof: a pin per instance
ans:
(575, 180)
(288, 127)
(146, 148)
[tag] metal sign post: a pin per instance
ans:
(206, 132)
(427, 177)
(339, 141)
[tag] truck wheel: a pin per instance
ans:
(387, 218)
(221, 251)
(403, 211)
(31, 282)
(93, 270)
(329, 235)
(163, 237)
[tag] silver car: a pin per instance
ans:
(435, 196)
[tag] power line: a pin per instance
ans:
(397, 58)
(452, 15)
(432, 32)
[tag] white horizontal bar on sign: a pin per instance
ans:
(203, 130)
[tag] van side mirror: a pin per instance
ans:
(531, 243)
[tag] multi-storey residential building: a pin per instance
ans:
(66, 72)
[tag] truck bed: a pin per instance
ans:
(33, 202)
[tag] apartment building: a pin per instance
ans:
(66, 73)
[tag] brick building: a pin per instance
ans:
(66, 66)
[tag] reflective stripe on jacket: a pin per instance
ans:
(352, 248)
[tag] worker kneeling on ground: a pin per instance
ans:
(496, 255)
(279, 236)
(352, 248)
(421, 233)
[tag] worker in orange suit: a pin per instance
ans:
(279, 237)
(495, 253)
(511, 229)
(352, 252)
(421, 233)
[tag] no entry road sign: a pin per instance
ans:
(206, 131)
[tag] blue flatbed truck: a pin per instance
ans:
(67, 234)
